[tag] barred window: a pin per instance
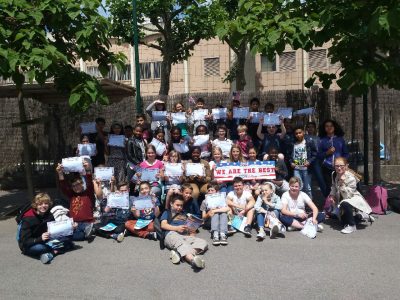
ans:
(287, 61)
(145, 70)
(157, 70)
(94, 71)
(268, 65)
(317, 59)
(125, 75)
(211, 67)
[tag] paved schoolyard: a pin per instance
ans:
(364, 265)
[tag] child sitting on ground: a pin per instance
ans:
(190, 205)
(81, 201)
(217, 214)
(241, 203)
(143, 226)
(33, 236)
(267, 207)
(178, 238)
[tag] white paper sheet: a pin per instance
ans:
(116, 140)
(160, 147)
(142, 202)
(200, 140)
(310, 229)
(178, 118)
(104, 173)
(305, 111)
(271, 119)
(216, 200)
(200, 114)
(73, 164)
(256, 116)
(241, 112)
(173, 170)
(181, 147)
(194, 169)
(219, 113)
(118, 200)
(88, 127)
(159, 115)
(87, 149)
(149, 174)
(61, 228)
(285, 112)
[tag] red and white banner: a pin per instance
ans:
(225, 172)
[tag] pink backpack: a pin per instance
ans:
(377, 199)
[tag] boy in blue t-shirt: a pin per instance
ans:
(179, 238)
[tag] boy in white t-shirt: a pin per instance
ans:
(241, 203)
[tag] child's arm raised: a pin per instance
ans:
(260, 135)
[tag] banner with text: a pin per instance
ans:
(225, 172)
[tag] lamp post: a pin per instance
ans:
(139, 104)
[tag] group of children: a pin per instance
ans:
(177, 197)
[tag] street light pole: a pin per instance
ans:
(139, 104)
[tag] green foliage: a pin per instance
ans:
(43, 39)
(179, 25)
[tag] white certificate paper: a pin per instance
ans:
(272, 119)
(142, 202)
(216, 200)
(181, 147)
(241, 112)
(285, 112)
(178, 118)
(160, 147)
(173, 170)
(200, 114)
(305, 111)
(87, 149)
(104, 173)
(73, 164)
(200, 140)
(59, 229)
(149, 175)
(88, 127)
(219, 113)
(193, 169)
(118, 200)
(116, 140)
(159, 115)
(256, 116)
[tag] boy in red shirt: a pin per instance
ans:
(81, 202)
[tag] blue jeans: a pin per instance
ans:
(38, 249)
(305, 180)
(261, 218)
(288, 220)
(79, 232)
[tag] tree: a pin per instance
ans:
(41, 40)
(226, 12)
(365, 38)
(179, 24)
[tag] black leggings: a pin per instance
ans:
(346, 213)
(107, 234)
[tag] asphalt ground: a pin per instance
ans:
(362, 265)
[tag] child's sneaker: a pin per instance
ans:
(231, 230)
(349, 229)
(152, 236)
(174, 257)
(89, 231)
(320, 228)
(215, 240)
(198, 262)
(290, 228)
(120, 237)
(223, 239)
(273, 232)
(261, 234)
(247, 230)
(46, 258)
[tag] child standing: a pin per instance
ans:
(144, 217)
(135, 151)
(218, 216)
(116, 155)
(303, 153)
(244, 142)
(178, 238)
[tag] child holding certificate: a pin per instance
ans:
(33, 236)
(222, 141)
(179, 108)
(143, 225)
(179, 144)
(182, 242)
(202, 133)
(198, 173)
(159, 142)
(81, 201)
(214, 207)
(159, 106)
(173, 179)
(117, 155)
(135, 151)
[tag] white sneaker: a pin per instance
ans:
(274, 231)
(121, 237)
(290, 228)
(175, 257)
(320, 228)
(198, 262)
(261, 234)
(349, 229)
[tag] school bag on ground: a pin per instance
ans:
(159, 231)
(394, 204)
(377, 199)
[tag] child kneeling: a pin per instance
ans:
(218, 215)
(178, 238)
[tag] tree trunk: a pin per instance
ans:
(165, 76)
(25, 143)
(376, 139)
(240, 63)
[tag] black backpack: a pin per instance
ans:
(21, 211)
(159, 231)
